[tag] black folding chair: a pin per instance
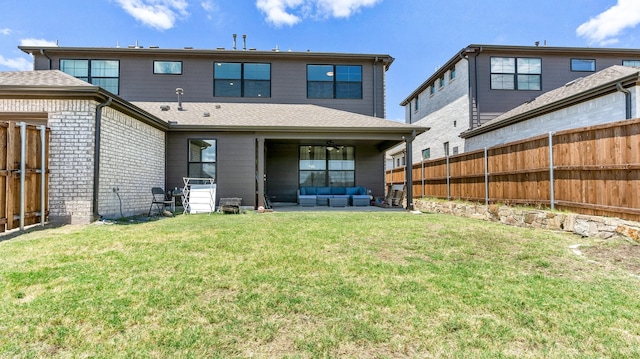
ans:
(159, 200)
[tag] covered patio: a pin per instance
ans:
(260, 151)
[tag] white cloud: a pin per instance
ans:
(291, 12)
(276, 11)
(343, 8)
(209, 8)
(158, 14)
(207, 5)
(37, 42)
(5, 31)
(605, 27)
(17, 63)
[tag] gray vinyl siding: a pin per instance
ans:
(137, 81)
(370, 169)
(235, 170)
(556, 72)
(236, 166)
(282, 171)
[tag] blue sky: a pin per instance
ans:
(420, 34)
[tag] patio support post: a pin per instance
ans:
(260, 174)
(409, 169)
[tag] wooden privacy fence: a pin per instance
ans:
(24, 156)
(593, 170)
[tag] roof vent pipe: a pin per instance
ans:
(179, 92)
(244, 42)
(234, 41)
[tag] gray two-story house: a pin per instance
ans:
(481, 82)
(261, 123)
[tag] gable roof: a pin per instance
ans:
(270, 117)
(579, 90)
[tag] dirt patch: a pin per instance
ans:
(619, 254)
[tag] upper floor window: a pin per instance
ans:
(235, 79)
(334, 81)
(452, 73)
(167, 67)
(442, 81)
(103, 73)
(432, 90)
(416, 104)
(516, 73)
(588, 65)
(202, 158)
(635, 63)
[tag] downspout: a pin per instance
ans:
(96, 156)
(375, 89)
(48, 58)
(475, 89)
(627, 99)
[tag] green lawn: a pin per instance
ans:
(307, 285)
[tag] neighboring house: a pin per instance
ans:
(609, 95)
(481, 82)
(260, 123)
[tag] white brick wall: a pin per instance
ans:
(70, 154)
(132, 159)
(446, 124)
(446, 112)
(605, 109)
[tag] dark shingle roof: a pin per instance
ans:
(273, 116)
(573, 92)
(44, 78)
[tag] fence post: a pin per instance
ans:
(23, 169)
(43, 173)
(486, 177)
(448, 179)
(422, 176)
(552, 194)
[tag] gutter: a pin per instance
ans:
(306, 130)
(475, 91)
(627, 99)
(96, 157)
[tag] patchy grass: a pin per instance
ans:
(306, 285)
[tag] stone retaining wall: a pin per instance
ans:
(583, 225)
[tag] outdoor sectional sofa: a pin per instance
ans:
(333, 196)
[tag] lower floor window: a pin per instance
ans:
(327, 166)
(202, 158)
